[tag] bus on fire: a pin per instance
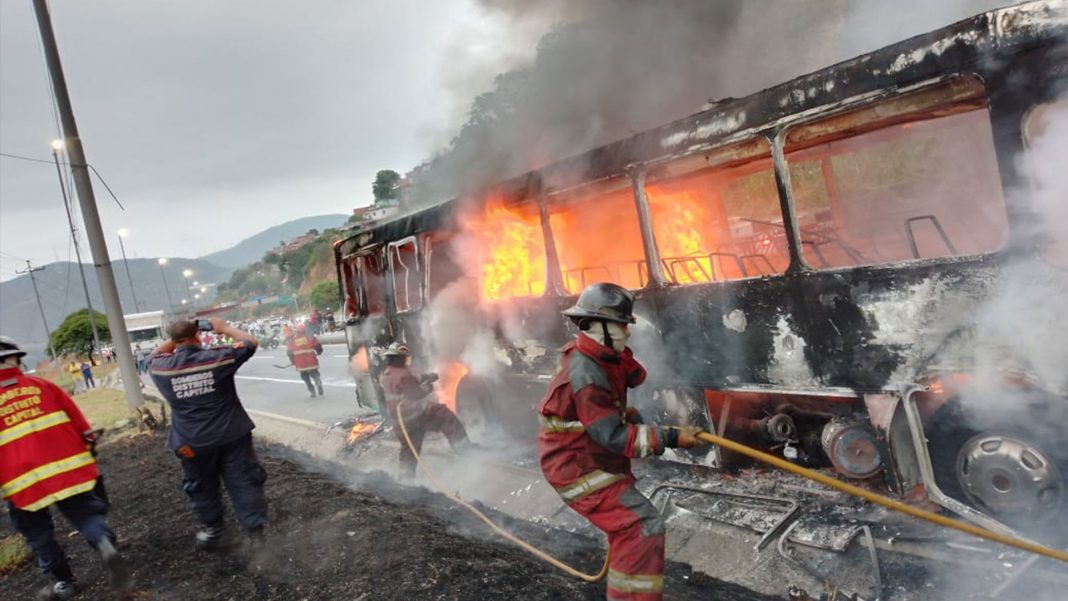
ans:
(857, 269)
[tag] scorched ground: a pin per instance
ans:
(325, 543)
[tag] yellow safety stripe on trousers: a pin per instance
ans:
(550, 423)
(635, 583)
(588, 484)
(59, 495)
(34, 425)
(45, 472)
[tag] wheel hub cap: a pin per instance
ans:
(1007, 475)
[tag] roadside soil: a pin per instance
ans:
(326, 543)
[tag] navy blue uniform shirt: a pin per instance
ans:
(199, 385)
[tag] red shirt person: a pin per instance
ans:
(408, 395)
(303, 350)
(46, 459)
(589, 435)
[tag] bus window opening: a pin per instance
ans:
(914, 177)
(597, 237)
(717, 217)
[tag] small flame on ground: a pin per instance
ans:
(362, 429)
(448, 382)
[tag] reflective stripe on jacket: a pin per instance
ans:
(304, 349)
(43, 454)
(585, 442)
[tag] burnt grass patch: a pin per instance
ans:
(326, 542)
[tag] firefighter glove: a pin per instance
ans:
(688, 437)
(428, 378)
(633, 416)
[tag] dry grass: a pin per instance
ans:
(13, 553)
(103, 406)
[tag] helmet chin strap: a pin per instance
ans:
(607, 337)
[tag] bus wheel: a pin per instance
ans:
(1006, 473)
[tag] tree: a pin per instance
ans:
(325, 296)
(385, 186)
(75, 334)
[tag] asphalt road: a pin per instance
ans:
(264, 387)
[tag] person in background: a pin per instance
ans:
(588, 436)
(48, 458)
(87, 375)
(140, 357)
(313, 321)
(303, 351)
(400, 384)
(210, 431)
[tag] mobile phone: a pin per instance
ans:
(204, 325)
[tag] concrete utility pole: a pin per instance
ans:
(131, 382)
(58, 145)
(30, 269)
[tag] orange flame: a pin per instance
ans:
(681, 230)
(449, 380)
(359, 360)
(362, 429)
(511, 251)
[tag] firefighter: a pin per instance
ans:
(47, 457)
(210, 431)
(303, 350)
(588, 436)
(420, 414)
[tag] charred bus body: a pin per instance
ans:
(851, 269)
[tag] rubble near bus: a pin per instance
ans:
(854, 270)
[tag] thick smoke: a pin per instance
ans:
(606, 69)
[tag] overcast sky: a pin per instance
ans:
(214, 120)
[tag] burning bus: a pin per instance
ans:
(855, 269)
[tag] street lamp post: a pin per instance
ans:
(163, 261)
(126, 262)
(186, 274)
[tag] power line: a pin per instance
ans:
(68, 165)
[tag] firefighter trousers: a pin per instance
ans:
(635, 531)
(436, 418)
(85, 511)
(312, 375)
(235, 464)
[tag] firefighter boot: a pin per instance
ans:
(211, 537)
(58, 591)
(118, 573)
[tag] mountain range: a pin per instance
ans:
(61, 291)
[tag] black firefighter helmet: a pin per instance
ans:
(603, 300)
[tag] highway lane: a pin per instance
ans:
(264, 387)
(267, 388)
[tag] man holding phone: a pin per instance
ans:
(210, 431)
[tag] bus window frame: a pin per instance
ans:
(787, 192)
(391, 252)
(657, 275)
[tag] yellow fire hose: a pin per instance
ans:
(752, 453)
(501, 531)
(887, 502)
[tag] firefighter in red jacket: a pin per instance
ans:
(304, 350)
(420, 414)
(47, 458)
(588, 436)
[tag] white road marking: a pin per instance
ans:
(341, 356)
(286, 381)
